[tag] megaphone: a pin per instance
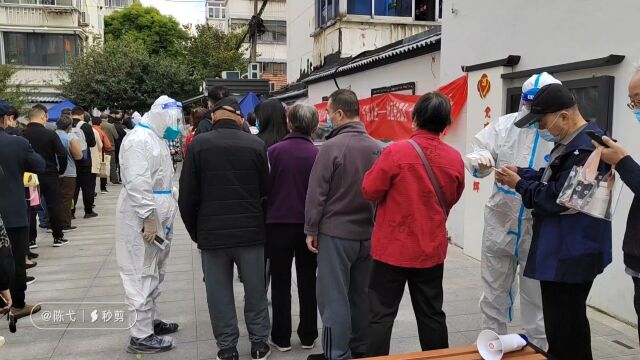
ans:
(492, 346)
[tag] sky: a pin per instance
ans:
(185, 11)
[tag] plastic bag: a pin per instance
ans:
(588, 192)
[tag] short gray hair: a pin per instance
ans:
(303, 118)
(64, 122)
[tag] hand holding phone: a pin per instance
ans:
(598, 138)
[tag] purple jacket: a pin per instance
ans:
(291, 161)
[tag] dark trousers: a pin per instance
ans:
(103, 183)
(565, 320)
(85, 181)
(68, 188)
(284, 242)
(113, 174)
(50, 189)
(18, 237)
(636, 300)
(385, 293)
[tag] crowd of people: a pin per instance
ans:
(362, 219)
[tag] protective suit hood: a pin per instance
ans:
(165, 118)
(530, 89)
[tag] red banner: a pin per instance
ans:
(387, 117)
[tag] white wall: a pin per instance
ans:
(300, 25)
(549, 33)
(424, 70)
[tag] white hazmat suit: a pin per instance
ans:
(507, 223)
(147, 178)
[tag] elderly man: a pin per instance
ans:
(568, 249)
(338, 224)
(222, 186)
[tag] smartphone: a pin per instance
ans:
(499, 171)
(160, 242)
(597, 138)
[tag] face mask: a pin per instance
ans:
(329, 122)
(171, 133)
(546, 135)
(636, 112)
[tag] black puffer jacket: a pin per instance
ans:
(222, 187)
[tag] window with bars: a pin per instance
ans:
(35, 49)
(274, 68)
(326, 10)
(276, 32)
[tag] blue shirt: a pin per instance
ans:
(71, 164)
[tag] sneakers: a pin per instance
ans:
(260, 351)
(25, 311)
(49, 230)
(104, 191)
(309, 347)
(228, 354)
(31, 265)
(316, 357)
(152, 344)
(164, 328)
(280, 347)
(33, 245)
(60, 242)
(30, 280)
(90, 215)
(69, 228)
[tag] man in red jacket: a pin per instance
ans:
(409, 242)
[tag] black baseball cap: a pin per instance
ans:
(549, 99)
(229, 103)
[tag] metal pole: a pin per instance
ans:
(254, 35)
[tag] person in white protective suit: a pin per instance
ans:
(507, 223)
(146, 209)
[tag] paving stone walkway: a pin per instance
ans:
(86, 271)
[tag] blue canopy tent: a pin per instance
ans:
(55, 110)
(248, 103)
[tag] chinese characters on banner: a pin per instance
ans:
(387, 117)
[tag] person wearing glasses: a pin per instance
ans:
(629, 171)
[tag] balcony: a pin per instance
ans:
(37, 78)
(37, 13)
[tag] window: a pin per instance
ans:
(117, 3)
(274, 68)
(593, 95)
(419, 10)
(276, 32)
(40, 49)
(327, 10)
(42, 2)
(216, 10)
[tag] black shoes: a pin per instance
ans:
(32, 255)
(30, 265)
(282, 347)
(60, 242)
(30, 280)
(90, 215)
(152, 344)
(260, 351)
(164, 328)
(69, 228)
(316, 357)
(228, 354)
(32, 244)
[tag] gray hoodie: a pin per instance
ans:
(335, 205)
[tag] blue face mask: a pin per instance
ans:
(547, 136)
(171, 133)
(636, 112)
(329, 122)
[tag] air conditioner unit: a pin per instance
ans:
(83, 20)
(254, 71)
(231, 75)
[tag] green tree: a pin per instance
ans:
(159, 33)
(123, 75)
(14, 94)
(211, 51)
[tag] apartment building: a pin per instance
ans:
(111, 6)
(231, 15)
(40, 36)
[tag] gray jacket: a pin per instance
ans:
(335, 205)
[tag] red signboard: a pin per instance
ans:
(388, 116)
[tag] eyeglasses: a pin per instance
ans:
(634, 105)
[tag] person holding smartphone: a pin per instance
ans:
(629, 172)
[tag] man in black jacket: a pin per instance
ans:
(214, 95)
(629, 171)
(48, 145)
(117, 123)
(16, 157)
(222, 185)
(84, 179)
